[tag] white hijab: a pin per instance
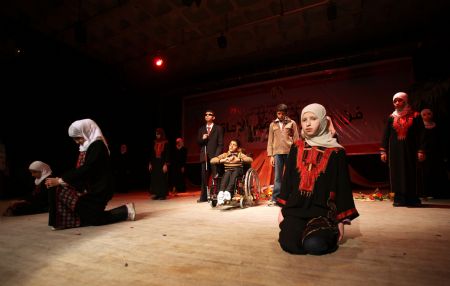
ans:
(87, 129)
(405, 110)
(40, 167)
(323, 138)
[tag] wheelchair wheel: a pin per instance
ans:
(242, 202)
(252, 187)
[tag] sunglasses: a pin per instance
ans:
(209, 114)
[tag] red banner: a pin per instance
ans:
(358, 99)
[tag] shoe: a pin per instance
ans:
(226, 196)
(399, 205)
(8, 212)
(415, 205)
(220, 197)
(271, 203)
(131, 211)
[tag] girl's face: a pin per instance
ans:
(399, 103)
(233, 146)
(427, 116)
(36, 174)
(310, 124)
(79, 140)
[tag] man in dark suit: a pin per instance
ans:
(210, 139)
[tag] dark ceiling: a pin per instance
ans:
(263, 37)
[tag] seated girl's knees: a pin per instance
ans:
(314, 245)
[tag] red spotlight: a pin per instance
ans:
(158, 62)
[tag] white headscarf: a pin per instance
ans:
(323, 138)
(40, 167)
(405, 110)
(87, 129)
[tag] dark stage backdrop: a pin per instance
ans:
(358, 98)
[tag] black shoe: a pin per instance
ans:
(201, 201)
(415, 205)
(161, 198)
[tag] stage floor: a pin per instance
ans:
(181, 242)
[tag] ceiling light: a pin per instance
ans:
(158, 62)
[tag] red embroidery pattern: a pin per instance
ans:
(346, 214)
(80, 161)
(311, 162)
(281, 201)
(402, 124)
(159, 148)
(66, 201)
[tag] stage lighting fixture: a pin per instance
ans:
(158, 62)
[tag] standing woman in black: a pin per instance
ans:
(434, 182)
(402, 147)
(159, 165)
(84, 192)
(178, 166)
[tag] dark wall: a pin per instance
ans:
(48, 86)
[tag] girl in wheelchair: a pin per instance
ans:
(233, 162)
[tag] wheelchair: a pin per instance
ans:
(247, 189)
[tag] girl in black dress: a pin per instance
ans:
(84, 192)
(316, 196)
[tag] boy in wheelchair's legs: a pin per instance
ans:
(227, 185)
(233, 161)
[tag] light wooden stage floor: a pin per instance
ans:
(181, 242)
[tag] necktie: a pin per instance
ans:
(208, 129)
